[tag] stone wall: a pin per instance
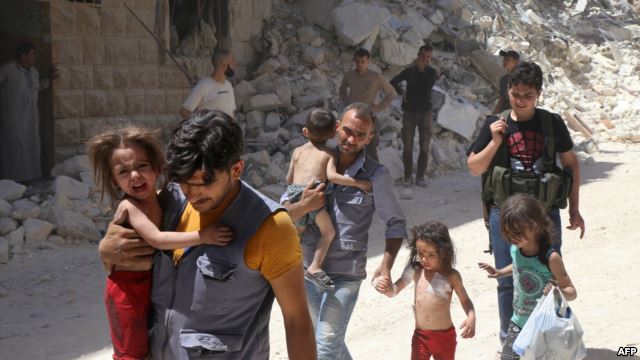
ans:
(112, 73)
(246, 21)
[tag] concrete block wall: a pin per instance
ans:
(246, 21)
(112, 73)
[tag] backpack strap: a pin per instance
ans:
(502, 156)
(549, 148)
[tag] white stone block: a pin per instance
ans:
(355, 22)
(422, 26)
(11, 190)
(70, 187)
(16, 237)
(272, 122)
(76, 164)
(4, 250)
(25, 209)
(398, 53)
(264, 102)
(7, 225)
(73, 224)
(36, 230)
(5, 208)
(313, 55)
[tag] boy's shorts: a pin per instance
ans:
(441, 344)
(294, 193)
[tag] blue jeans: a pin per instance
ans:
(502, 258)
(330, 312)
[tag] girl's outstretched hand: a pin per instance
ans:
(217, 234)
(468, 328)
(493, 273)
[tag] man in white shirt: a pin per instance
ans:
(214, 92)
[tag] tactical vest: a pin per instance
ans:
(211, 305)
(551, 188)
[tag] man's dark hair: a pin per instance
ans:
(510, 54)
(362, 53)
(526, 73)
(425, 47)
(363, 111)
(23, 48)
(207, 141)
(321, 125)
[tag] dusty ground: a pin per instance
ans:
(51, 301)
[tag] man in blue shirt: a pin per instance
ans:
(351, 211)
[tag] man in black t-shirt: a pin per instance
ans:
(510, 59)
(416, 107)
(522, 132)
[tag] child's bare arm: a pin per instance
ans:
(384, 287)
(336, 178)
(468, 326)
(562, 279)
(169, 240)
(290, 172)
(496, 273)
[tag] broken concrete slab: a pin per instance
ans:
(355, 22)
(397, 53)
(458, 115)
(70, 187)
(36, 230)
(420, 24)
(73, 224)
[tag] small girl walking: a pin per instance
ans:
(536, 267)
(127, 165)
(430, 267)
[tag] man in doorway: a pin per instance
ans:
(416, 105)
(364, 85)
(213, 300)
(19, 116)
(510, 59)
(351, 211)
(214, 92)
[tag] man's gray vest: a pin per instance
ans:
(348, 206)
(212, 306)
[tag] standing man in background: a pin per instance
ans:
(214, 92)
(510, 59)
(19, 117)
(363, 85)
(416, 107)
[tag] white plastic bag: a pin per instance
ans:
(552, 332)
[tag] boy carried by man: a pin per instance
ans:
(313, 164)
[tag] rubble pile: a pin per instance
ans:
(52, 214)
(588, 51)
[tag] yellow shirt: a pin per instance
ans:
(273, 250)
